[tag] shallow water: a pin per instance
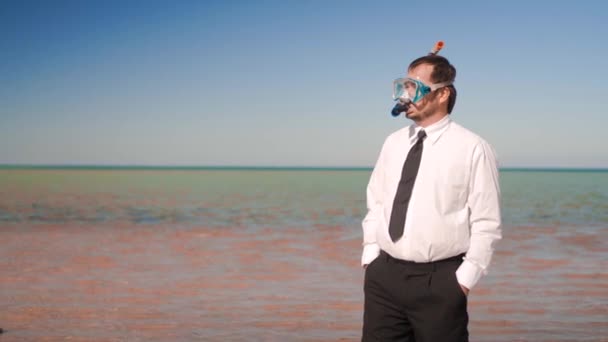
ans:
(270, 256)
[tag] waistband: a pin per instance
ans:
(432, 265)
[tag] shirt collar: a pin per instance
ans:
(433, 132)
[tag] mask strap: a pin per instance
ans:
(436, 86)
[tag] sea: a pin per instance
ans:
(271, 254)
(268, 197)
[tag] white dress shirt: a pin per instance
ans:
(455, 203)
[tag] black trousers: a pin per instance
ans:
(407, 301)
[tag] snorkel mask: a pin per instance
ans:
(408, 90)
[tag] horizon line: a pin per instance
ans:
(255, 167)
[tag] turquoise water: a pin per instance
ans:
(267, 197)
(157, 254)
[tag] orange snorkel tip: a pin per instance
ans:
(437, 48)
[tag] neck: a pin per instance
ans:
(429, 120)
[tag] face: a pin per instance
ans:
(429, 105)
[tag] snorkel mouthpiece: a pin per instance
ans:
(400, 107)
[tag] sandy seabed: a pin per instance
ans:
(130, 282)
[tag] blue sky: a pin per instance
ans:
(292, 83)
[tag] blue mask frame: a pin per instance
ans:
(400, 89)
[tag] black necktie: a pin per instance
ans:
(404, 190)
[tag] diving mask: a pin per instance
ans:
(409, 90)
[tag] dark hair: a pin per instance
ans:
(443, 71)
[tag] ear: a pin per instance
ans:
(444, 94)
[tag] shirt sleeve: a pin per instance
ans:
(485, 216)
(374, 192)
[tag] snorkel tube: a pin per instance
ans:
(403, 104)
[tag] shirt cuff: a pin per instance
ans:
(468, 274)
(370, 252)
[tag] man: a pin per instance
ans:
(433, 216)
